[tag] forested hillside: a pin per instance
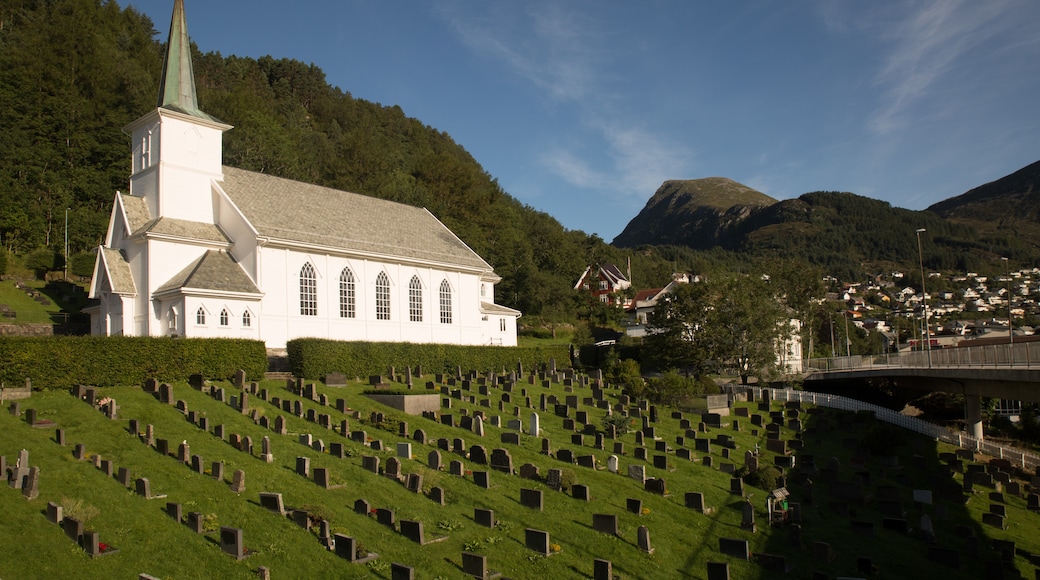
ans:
(74, 72)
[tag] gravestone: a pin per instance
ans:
(531, 498)
(143, 488)
(231, 542)
(238, 481)
(272, 502)
(643, 539)
(482, 479)
(605, 523)
(437, 495)
(735, 547)
(695, 501)
(484, 517)
(537, 541)
(174, 511)
(747, 521)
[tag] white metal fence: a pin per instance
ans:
(1018, 457)
(1021, 355)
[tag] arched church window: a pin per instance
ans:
(415, 300)
(200, 316)
(308, 291)
(382, 297)
(445, 300)
(347, 295)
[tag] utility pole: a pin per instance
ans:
(1011, 325)
(65, 275)
(924, 297)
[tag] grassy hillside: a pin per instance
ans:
(149, 541)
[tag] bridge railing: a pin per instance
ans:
(1025, 460)
(1022, 355)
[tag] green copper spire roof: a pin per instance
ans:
(177, 87)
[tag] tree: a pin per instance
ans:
(726, 321)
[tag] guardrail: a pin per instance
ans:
(1027, 461)
(1024, 355)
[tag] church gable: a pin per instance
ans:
(112, 274)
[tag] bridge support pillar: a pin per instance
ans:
(973, 416)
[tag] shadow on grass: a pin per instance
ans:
(850, 526)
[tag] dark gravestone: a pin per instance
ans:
(537, 541)
(532, 498)
(605, 523)
(484, 517)
(231, 542)
(735, 547)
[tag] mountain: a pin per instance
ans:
(1009, 206)
(697, 213)
(844, 233)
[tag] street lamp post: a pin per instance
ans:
(924, 297)
(1011, 326)
(65, 275)
(848, 340)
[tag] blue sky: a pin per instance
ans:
(582, 109)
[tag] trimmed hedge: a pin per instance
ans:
(54, 362)
(313, 358)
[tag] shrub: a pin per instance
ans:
(765, 478)
(61, 361)
(313, 358)
(82, 264)
(567, 479)
(41, 261)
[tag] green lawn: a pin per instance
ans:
(684, 541)
(28, 310)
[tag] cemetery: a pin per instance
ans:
(527, 475)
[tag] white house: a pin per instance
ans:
(197, 249)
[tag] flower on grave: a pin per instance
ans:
(372, 511)
(645, 511)
(102, 546)
(469, 472)
(554, 548)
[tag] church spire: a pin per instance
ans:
(177, 87)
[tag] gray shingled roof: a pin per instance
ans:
(118, 269)
(184, 229)
(288, 210)
(136, 211)
(141, 222)
(214, 270)
(489, 308)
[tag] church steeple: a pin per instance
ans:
(177, 87)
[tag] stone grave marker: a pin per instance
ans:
(605, 523)
(537, 541)
(531, 498)
(231, 542)
(238, 481)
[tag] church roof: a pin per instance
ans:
(489, 308)
(184, 229)
(177, 86)
(213, 271)
(137, 213)
(296, 212)
(117, 268)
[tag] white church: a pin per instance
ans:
(198, 249)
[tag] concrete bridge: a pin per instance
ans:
(1004, 371)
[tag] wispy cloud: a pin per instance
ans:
(925, 44)
(565, 55)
